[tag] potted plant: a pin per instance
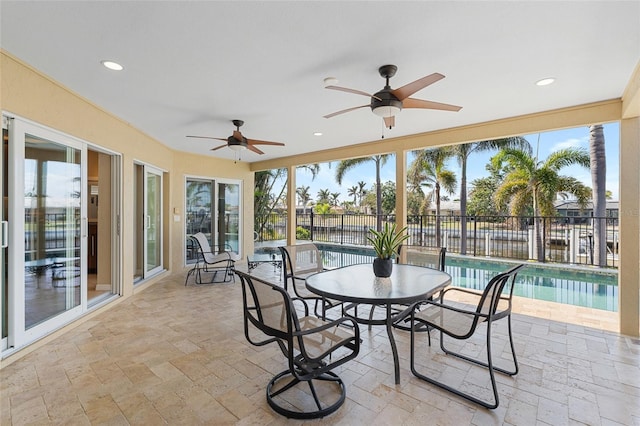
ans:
(386, 243)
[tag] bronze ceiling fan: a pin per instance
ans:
(388, 102)
(237, 142)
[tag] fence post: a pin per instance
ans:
(573, 245)
(487, 244)
(311, 225)
(421, 231)
(475, 235)
(342, 229)
(531, 242)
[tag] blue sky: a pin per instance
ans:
(548, 142)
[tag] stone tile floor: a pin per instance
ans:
(177, 355)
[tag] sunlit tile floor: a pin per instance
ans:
(177, 355)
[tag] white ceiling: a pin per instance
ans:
(191, 67)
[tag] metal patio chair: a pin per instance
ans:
(313, 347)
(211, 261)
(461, 321)
(299, 262)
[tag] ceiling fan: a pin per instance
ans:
(388, 102)
(237, 142)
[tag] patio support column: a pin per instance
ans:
(401, 195)
(291, 205)
(629, 216)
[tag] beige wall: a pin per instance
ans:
(29, 94)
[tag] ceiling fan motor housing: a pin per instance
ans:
(231, 141)
(385, 98)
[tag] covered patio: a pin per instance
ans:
(154, 351)
(178, 355)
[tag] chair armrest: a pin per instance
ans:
(304, 303)
(445, 306)
(336, 344)
(461, 290)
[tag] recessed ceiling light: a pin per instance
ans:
(112, 65)
(545, 81)
(317, 133)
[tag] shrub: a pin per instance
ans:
(302, 233)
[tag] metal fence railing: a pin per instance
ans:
(562, 239)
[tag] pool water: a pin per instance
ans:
(597, 289)
(578, 286)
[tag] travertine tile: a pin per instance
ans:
(178, 355)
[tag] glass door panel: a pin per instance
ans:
(52, 237)
(229, 216)
(198, 205)
(148, 222)
(4, 230)
(153, 231)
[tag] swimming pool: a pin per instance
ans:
(578, 286)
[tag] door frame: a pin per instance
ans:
(149, 168)
(215, 182)
(18, 336)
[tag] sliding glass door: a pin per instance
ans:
(148, 196)
(229, 216)
(54, 228)
(4, 238)
(45, 206)
(212, 206)
(44, 229)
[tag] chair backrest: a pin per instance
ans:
(205, 249)
(301, 260)
(430, 257)
(268, 307)
(495, 292)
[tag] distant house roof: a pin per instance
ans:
(447, 205)
(573, 205)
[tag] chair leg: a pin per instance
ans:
(488, 365)
(287, 409)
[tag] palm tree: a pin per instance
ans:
(353, 192)
(264, 183)
(361, 191)
(323, 196)
(333, 199)
(263, 201)
(462, 152)
(379, 160)
(304, 197)
(599, 193)
(428, 169)
(532, 183)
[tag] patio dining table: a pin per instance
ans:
(358, 285)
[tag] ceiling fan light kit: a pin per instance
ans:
(388, 102)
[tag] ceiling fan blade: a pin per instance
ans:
(407, 90)
(389, 122)
(257, 142)
(207, 137)
(357, 92)
(344, 110)
(420, 103)
(219, 147)
(254, 149)
(237, 135)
